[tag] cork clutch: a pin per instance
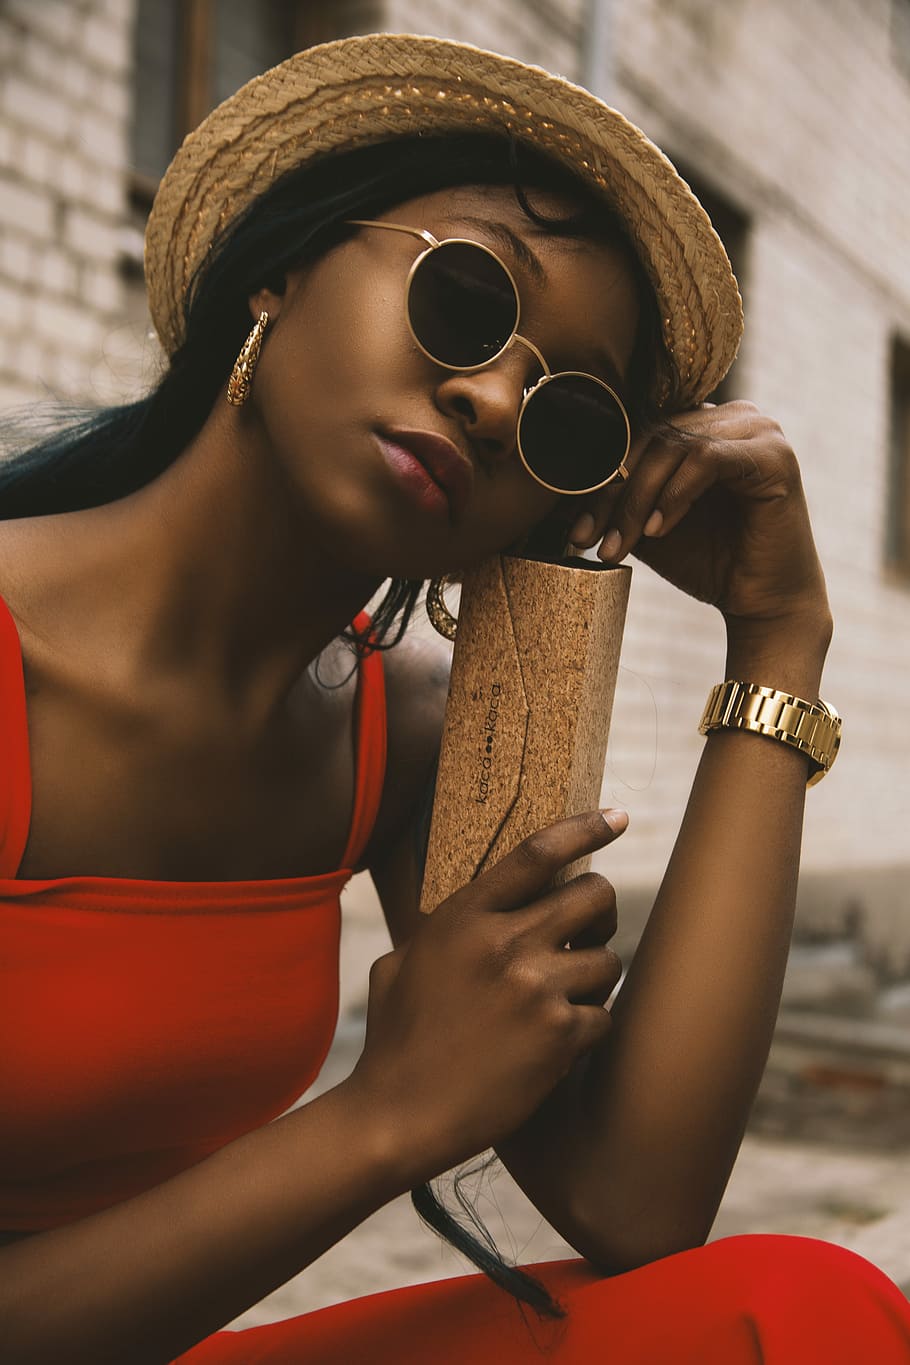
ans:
(528, 711)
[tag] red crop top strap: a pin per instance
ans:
(370, 749)
(15, 776)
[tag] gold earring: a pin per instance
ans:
(441, 618)
(241, 380)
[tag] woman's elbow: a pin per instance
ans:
(615, 1248)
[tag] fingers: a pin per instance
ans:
(583, 913)
(582, 976)
(595, 516)
(595, 509)
(529, 869)
(592, 1024)
(662, 496)
(583, 530)
(730, 444)
(638, 510)
(588, 976)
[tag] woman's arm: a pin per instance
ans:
(468, 1030)
(650, 1126)
(630, 1161)
(145, 1280)
(630, 1154)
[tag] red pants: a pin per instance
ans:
(759, 1300)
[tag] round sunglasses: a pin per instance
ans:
(463, 308)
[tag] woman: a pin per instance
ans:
(187, 792)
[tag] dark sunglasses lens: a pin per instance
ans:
(462, 305)
(573, 433)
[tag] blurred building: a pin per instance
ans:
(793, 124)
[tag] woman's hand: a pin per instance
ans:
(719, 511)
(475, 1020)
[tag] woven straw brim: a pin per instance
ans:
(370, 89)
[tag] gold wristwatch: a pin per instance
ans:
(812, 727)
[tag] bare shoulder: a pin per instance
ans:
(417, 679)
(21, 558)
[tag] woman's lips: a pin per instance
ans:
(441, 469)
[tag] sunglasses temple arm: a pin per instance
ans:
(422, 233)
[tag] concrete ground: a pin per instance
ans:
(845, 1189)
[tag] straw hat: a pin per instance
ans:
(369, 89)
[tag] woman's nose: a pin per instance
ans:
(487, 403)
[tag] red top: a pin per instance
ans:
(144, 1024)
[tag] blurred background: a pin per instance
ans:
(792, 123)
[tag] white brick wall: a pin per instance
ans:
(800, 115)
(534, 31)
(797, 113)
(64, 147)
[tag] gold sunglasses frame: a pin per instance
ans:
(433, 244)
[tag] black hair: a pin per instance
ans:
(111, 453)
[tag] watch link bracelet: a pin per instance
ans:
(812, 727)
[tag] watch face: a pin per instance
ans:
(835, 743)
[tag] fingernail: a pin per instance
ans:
(654, 523)
(609, 548)
(616, 818)
(583, 529)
